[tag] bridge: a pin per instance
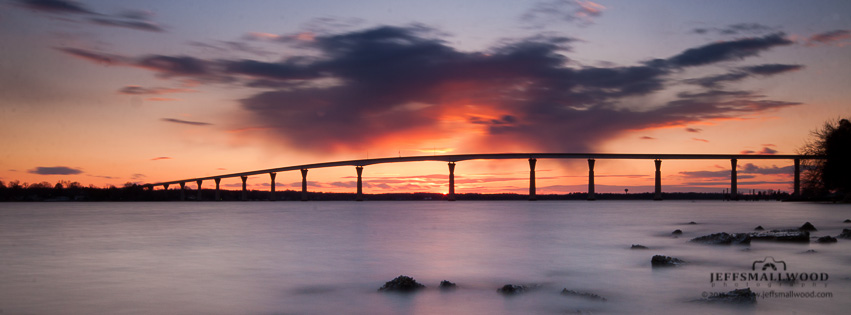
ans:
(532, 157)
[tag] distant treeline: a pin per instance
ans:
(73, 191)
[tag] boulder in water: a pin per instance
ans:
(826, 239)
(590, 296)
(759, 228)
(446, 285)
(401, 284)
(846, 233)
(847, 221)
(510, 289)
(808, 227)
(723, 239)
(782, 236)
(665, 261)
(677, 232)
(692, 222)
(638, 246)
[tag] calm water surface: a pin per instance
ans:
(330, 257)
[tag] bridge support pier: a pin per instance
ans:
(532, 194)
(198, 197)
(272, 189)
(182, 191)
(218, 195)
(658, 195)
(359, 170)
(451, 196)
(797, 192)
(244, 190)
(304, 184)
(591, 195)
(734, 191)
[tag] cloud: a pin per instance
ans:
(736, 29)
(746, 171)
(141, 25)
(694, 130)
(371, 87)
(161, 158)
(56, 170)
(647, 138)
(56, 6)
(699, 140)
(138, 90)
(579, 12)
(836, 37)
(716, 81)
(728, 50)
(186, 122)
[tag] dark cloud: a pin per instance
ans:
(580, 12)
(647, 138)
(186, 122)
(737, 29)
(728, 50)
(767, 150)
(715, 81)
(695, 130)
(141, 25)
(138, 90)
(746, 171)
(827, 38)
(358, 89)
(56, 170)
(56, 6)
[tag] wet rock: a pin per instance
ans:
(826, 239)
(402, 284)
(510, 289)
(759, 228)
(692, 222)
(638, 246)
(446, 285)
(723, 239)
(665, 261)
(846, 233)
(740, 296)
(677, 232)
(808, 227)
(590, 296)
(847, 221)
(782, 236)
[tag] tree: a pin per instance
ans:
(832, 174)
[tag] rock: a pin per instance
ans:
(826, 239)
(692, 222)
(590, 296)
(665, 261)
(740, 296)
(846, 233)
(782, 236)
(847, 221)
(637, 246)
(446, 285)
(723, 239)
(677, 232)
(808, 227)
(810, 251)
(510, 289)
(402, 284)
(759, 228)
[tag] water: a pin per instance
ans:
(330, 257)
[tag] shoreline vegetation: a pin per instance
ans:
(64, 191)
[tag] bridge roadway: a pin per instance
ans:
(453, 158)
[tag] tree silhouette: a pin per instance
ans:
(832, 174)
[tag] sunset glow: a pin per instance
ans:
(111, 92)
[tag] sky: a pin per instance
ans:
(110, 92)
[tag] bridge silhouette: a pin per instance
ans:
(532, 157)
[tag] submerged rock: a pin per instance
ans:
(510, 289)
(677, 232)
(446, 285)
(740, 296)
(402, 284)
(590, 296)
(826, 239)
(782, 236)
(638, 246)
(808, 227)
(759, 228)
(723, 239)
(847, 221)
(665, 261)
(846, 233)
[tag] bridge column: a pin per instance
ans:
(218, 196)
(198, 182)
(797, 192)
(532, 195)
(182, 191)
(272, 189)
(451, 196)
(359, 170)
(658, 195)
(165, 191)
(591, 195)
(244, 190)
(304, 184)
(734, 191)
